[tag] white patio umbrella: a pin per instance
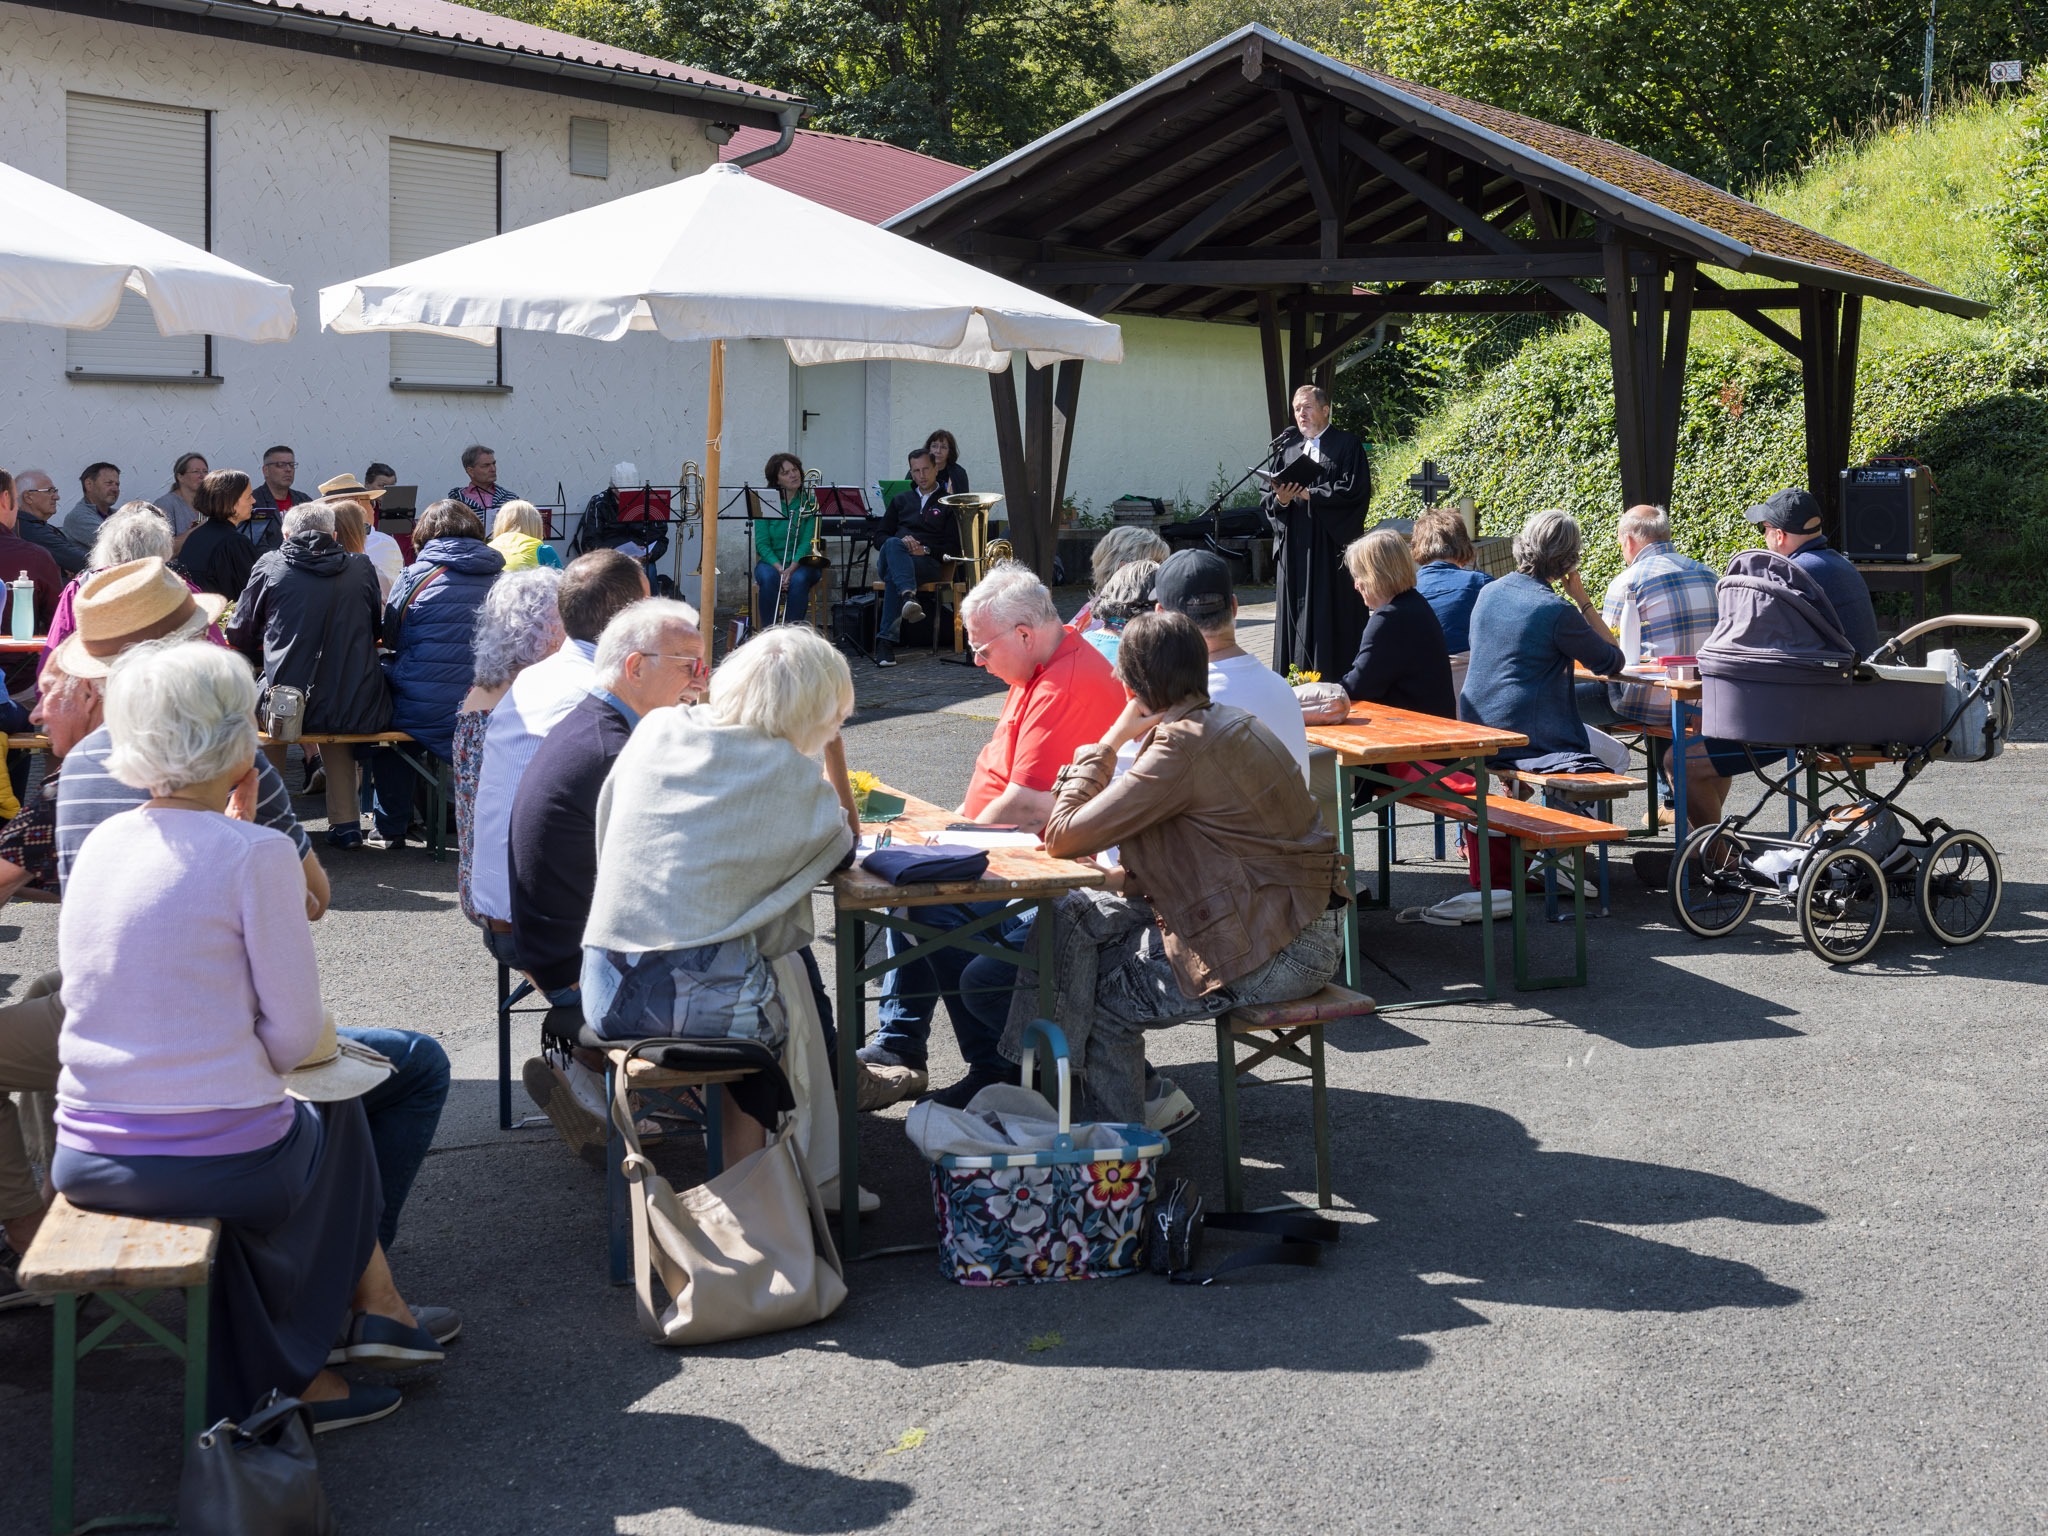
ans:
(66, 261)
(721, 256)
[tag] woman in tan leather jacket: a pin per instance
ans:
(1232, 886)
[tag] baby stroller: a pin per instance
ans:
(1779, 674)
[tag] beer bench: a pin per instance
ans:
(1551, 836)
(124, 1261)
(1280, 1031)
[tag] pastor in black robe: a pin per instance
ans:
(1318, 614)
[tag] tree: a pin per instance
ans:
(966, 80)
(1727, 91)
(1153, 35)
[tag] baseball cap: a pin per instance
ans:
(1195, 582)
(1795, 511)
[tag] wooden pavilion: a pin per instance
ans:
(1260, 182)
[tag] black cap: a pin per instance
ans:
(1795, 511)
(1195, 582)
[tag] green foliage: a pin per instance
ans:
(1724, 91)
(635, 24)
(2022, 216)
(966, 80)
(1153, 35)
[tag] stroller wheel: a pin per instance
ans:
(1710, 896)
(1959, 888)
(1844, 899)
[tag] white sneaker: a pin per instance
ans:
(913, 611)
(588, 1087)
(1169, 1111)
(828, 1195)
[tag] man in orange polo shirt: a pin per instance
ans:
(1062, 696)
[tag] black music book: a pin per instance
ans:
(1303, 471)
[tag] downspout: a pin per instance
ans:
(789, 117)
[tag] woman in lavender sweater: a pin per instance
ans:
(191, 995)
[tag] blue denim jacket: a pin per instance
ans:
(1451, 591)
(1524, 641)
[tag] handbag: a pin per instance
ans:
(255, 1478)
(1176, 1222)
(284, 712)
(744, 1253)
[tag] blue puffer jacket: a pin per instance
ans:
(432, 638)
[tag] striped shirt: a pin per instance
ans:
(1674, 601)
(87, 795)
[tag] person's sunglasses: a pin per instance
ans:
(696, 663)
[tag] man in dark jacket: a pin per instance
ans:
(916, 535)
(310, 617)
(36, 497)
(649, 657)
(275, 497)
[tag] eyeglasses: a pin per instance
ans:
(697, 667)
(986, 646)
(280, 463)
(39, 490)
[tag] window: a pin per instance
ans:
(441, 197)
(151, 164)
(590, 147)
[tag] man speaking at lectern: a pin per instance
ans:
(1318, 613)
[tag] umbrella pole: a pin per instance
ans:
(707, 564)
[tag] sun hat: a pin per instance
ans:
(350, 488)
(123, 606)
(336, 1069)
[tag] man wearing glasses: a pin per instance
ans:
(274, 497)
(36, 498)
(651, 656)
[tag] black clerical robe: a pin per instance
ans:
(1318, 614)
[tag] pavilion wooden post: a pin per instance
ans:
(1276, 366)
(707, 557)
(1034, 542)
(1647, 342)
(1034, 460)
(1830, 328)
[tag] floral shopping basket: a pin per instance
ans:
(1059, 1213)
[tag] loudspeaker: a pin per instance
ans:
(856, 621)
(1885, 514)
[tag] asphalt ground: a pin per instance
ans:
(1726, 1240)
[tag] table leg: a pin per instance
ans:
(1345, 779)
(1485, 867)
(853, 1025)
(1679, 831)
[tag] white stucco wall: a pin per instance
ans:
(300, 193)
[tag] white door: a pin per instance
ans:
(829, 424)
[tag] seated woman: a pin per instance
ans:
(1401, 658)
(1232, 886)
(191, 995)
(712, 830)
(216, 554)
(1119, 600)
(782, 580)
(1123, 545)
(1524, 642)
(517, 624)
(520, 536)
(945, 451)
(1444, 576)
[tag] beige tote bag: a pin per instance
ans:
(746, 1253)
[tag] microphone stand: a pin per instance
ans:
(1216, 506)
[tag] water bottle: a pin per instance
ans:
(22, 609)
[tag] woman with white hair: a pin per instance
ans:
(716, 823)
(1123, 545)
(138, 531)
(517, 624)
(201, 1078)
(1524, 642)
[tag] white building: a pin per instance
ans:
(316, 142)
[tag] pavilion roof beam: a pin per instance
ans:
(1200, 227)
(1713, 296)
(1397, 171)
(1146, 167)
(1452, 266)
(1210, 179)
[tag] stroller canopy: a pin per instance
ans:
(1776, 626)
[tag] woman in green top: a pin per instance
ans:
(781, 544)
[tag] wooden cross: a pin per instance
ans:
(1430, 483)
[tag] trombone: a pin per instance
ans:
(793, 522)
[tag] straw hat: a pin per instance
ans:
(348, 487)
(336, 1069)
(125, 605)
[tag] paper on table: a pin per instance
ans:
(985, 839)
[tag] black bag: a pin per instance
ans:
(856, 622)
(1176, 1221)
(256, 1478)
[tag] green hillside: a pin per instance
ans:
(1535, 428)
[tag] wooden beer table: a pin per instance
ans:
(1018, 880)
(1377, 736)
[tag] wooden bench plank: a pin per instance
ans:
(78, 1250)
(1536, 825)
(1581, 786)
(642, 1073)
(1325, 1007)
